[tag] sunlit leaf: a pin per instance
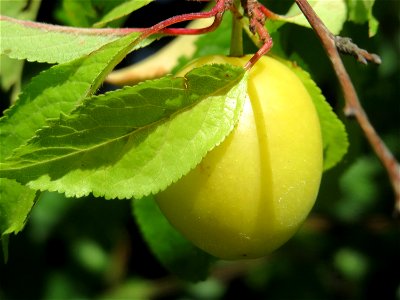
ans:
(332, 12)
(21, 9)
(135, 141)
(56, 91)
(11, 69)
(52, 44)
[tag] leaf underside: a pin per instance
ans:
(16, 202)
(360, 11)
(13, 213)
(174, 251)
(121, 11)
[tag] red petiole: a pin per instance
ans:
(256, 13)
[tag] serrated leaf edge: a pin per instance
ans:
(32, 185)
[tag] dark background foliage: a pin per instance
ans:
(348, 249)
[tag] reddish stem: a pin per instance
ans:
(75, 30)
(195, 31)
(257, 15)
(217, 11)
(263, 50)
(269, 14)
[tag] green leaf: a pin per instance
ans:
(87, 13)
(78, 13)
(49, 43)
(215, 42)
(120, 11)
(11, 69)
(10, 73)
(360, 11)
(333, 131)
(16, 201)
(175, 252)
(332, 12)
(55, 91)
(359, 189)
(135, 141)
(21, 9)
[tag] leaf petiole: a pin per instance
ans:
(236, 47)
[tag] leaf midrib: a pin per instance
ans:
(127, 135)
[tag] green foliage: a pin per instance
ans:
(175, 252)
(332, 12)
(97, 13)
(69, 84)
(133, 138)
(11, 69)
(48, 44)
(333, 132)
(357, 195)
(57, 91)
(21, 9)
(121, 11)
(79, 13)
(344, 251)
(16, 202)
(352, 264)
(360, 11)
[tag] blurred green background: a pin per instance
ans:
(349, 248)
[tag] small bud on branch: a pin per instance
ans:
(346, 46)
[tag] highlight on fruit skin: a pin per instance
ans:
(251, 193)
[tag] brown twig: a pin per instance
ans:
(346, 46)
(353, 106)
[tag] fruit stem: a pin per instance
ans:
(236, 49)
